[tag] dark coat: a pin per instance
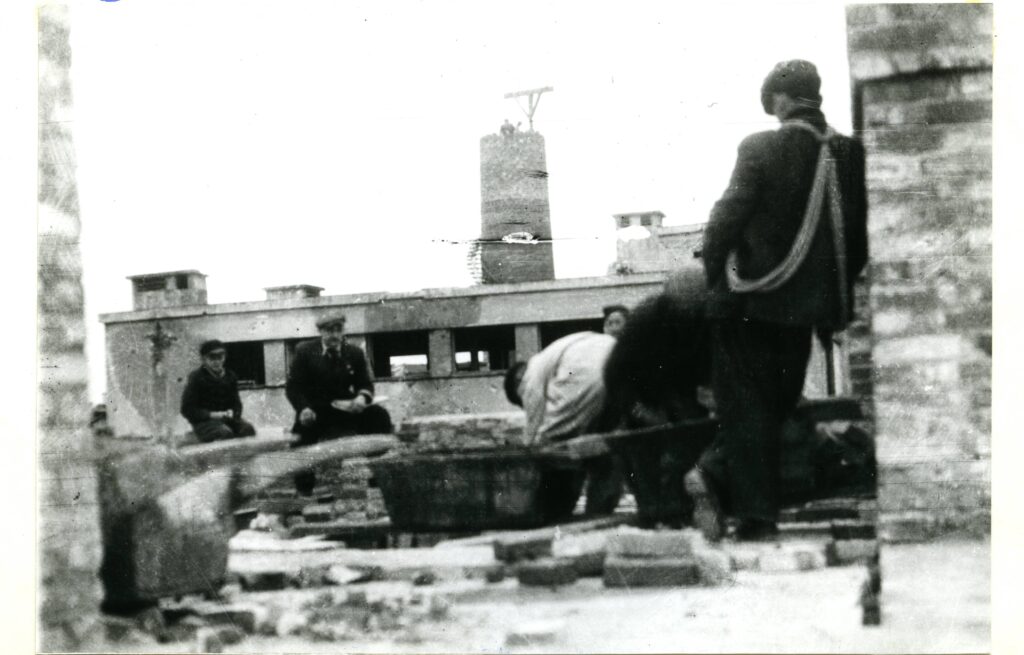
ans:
(313, 381)
(205, 393)
(760, 214)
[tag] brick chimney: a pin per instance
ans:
(171, 289)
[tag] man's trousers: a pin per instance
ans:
(758, 377)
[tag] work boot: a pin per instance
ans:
(707, 510)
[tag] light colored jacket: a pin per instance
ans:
(563, 387)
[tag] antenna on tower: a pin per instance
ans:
(534, 100)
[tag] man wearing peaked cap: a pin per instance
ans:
(781, 251)
(210, 401)
(331, 389)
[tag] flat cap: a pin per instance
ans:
(329, 320)
(796, 78)
(210, 346)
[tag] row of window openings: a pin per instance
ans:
(399, 355)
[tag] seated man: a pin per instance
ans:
(210, 401)
(330, 387)
(562, 391)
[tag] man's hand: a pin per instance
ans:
(307, 416)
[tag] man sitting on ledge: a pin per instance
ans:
(331, 389)
(210, 401)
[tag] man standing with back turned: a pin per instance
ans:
(777, 271)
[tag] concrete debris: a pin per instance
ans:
(208, 641)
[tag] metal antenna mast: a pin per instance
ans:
(534, 100)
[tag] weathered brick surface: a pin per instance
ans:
(651, 544)
(665, 572)
(70, 590)
(925, 80)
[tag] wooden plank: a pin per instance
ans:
(585, 525)
(263, 471)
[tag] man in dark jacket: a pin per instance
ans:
(210, 401)
(330, 387)
(775, 275)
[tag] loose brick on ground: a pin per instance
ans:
(853, 530)
(851, 551)
(317, 513)
(241, 615)
(624, 572)
(522, 547)
(653, 544)
(546, 573)
(537, 633)
(263, 580)
(715, 566)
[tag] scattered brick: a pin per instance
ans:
(208, 641)
(538, 633)
(424, 579)
(547, 573)
(851, 551)
(715, 566)
(623, 572)
(652, 544)
(853, 530)
(317, 513)
(241, 616)
(494, 574)
(522, 547)
(290, 623)
(263, 581)
(745, 560)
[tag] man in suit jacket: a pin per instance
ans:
(761, 337)
(331, 389)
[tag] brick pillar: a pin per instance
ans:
(69, 531)
(923, 102)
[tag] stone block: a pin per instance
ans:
(652, 544)
(551, 572)
(317, 513)
(522, 547)
(851, 551)
(668, 572)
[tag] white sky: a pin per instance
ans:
(337, 144)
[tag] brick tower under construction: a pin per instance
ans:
(516, 220)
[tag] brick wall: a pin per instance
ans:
(69, 536)
(923, 102)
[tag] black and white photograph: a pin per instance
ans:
(541, 327)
